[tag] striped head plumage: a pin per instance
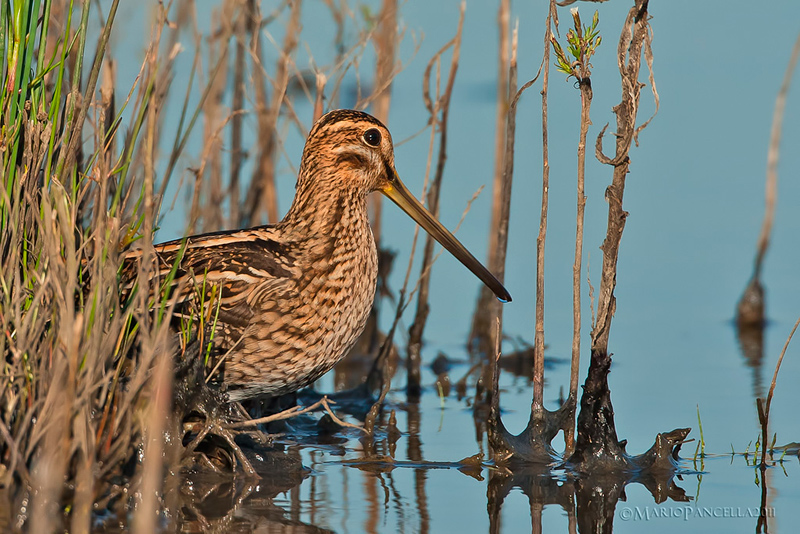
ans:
(348, 155)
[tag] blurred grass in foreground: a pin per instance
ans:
(74, 391)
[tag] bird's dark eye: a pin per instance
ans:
(372, 137)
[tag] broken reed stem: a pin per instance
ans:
(294, 411)
(441, 105)
(481, 331)
(764, 414)
(771, 187)
(634, 37)
(537, 403)
(336, 418)
(385, 42)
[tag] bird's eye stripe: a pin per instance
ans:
(352, 158)
(372, 137)
(390, 174)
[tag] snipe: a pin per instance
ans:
(289, 300)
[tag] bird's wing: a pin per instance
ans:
(220, 275)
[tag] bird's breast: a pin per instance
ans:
(341, 291)
(301, 330)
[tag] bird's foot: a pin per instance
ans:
(209, 440)
(212, 445)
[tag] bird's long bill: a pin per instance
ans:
(401, 196)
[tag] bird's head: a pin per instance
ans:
(350, 151)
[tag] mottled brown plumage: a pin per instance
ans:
(292, 298)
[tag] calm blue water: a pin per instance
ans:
(695, 198)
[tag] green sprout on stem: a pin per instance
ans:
(582, 42)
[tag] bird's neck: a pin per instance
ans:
(326, 215)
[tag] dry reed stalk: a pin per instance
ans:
(587, 41)
(439, 105)
(385, 41)
(765, 405)
(237, 153)
(750, 309)
(504, 214)
(187, 12)
(494, 309)
(212, 144)
(633, 44)
(413, 346)
(319, 98)
(489, 379)
(50, 463)
(771, 188)
(480, 337)
(148, 159)
(214, 114)
(350, 59)
(538, 359)
(262, 195)
(210, 190)
(379, 373)
(158, 75)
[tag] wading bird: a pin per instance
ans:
(287, 301)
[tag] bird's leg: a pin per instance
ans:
(207, 417)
